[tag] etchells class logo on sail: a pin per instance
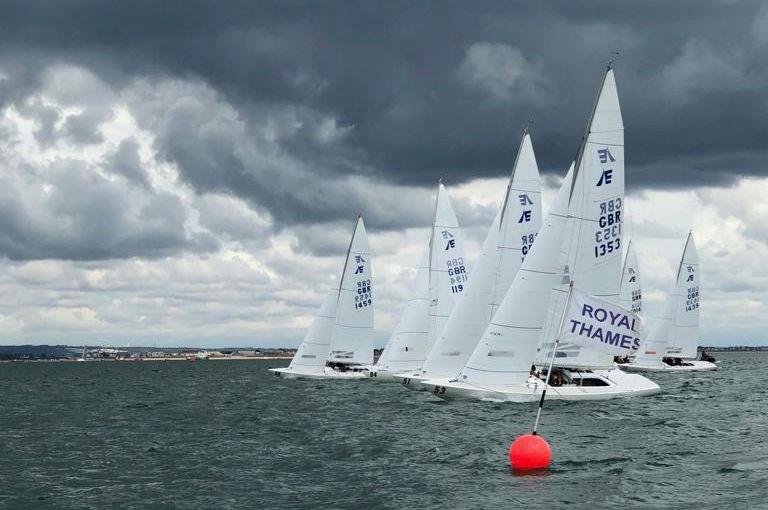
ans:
(450, 240)
(526, 215)
(605, 156)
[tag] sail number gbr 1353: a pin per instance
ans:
(608, 234)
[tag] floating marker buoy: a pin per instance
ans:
(528, 452)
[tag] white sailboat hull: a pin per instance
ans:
(379, 375)
(411, 380)
(327, 373)
(616, 384)
(687, 366)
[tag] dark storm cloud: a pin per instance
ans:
(419, 89)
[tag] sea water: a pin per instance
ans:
(228, 434)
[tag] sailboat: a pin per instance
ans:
(340, 340)
(509, 239)
(631, 297)
(579, 243)
(442, 277)
(672, 342)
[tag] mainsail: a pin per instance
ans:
(352, 334)
(593, 242)
(315, 348)
(447, 269)
(507, 348)
(508, 241)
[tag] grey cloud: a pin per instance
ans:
(501, 71)
(312, 112)
(256, 158)
(83, 128)
(77, 214)
(227, 216)
(45, 118)
(126, 162)
(389, 70)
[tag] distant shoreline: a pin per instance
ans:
(132, 360)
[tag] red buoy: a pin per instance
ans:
(529, 452)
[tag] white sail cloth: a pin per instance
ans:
(631, 292)
(442, 275)
(313, 352)
(592, 245)
(508, 345)
(509, 239)
(406, 348)
(352, 334)
(675, 333)
(684, 338)
(448, 273)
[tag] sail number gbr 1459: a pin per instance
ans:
(608, 234)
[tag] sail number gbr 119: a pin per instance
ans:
(608, 234)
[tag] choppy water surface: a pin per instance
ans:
(229, 435)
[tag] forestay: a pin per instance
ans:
(314, 350)
(447, 269)
(507, 348)
(352, 334)
(509, 239)
(406, 348)
(593, 241)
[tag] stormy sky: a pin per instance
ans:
(188, 173)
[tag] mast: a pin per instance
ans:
(346, 257)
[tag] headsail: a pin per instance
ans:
(447, 269)
(406, 348)
(508, 346)
(508, 241)
(593, 241)
(314, 350)
(352, 335)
